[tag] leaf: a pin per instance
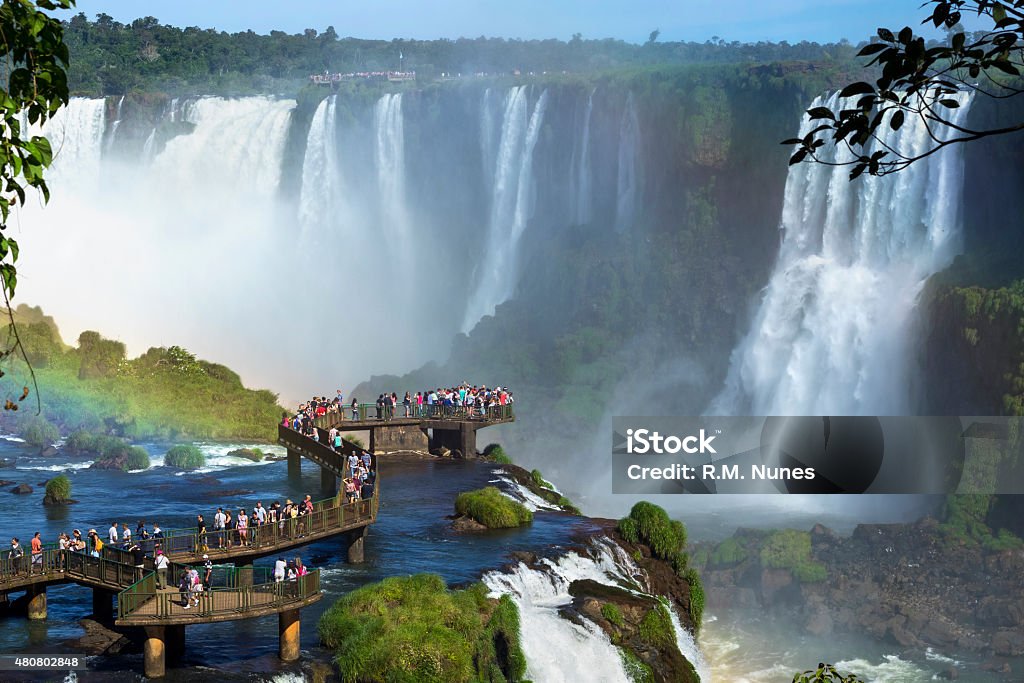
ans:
(871, 48)
(949, 103)
(906, 35)
(858, 88)
(897, 120)
(821, 113)
(886, 35)
(798, 157)
(998, 12)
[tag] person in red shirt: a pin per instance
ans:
(37, 553)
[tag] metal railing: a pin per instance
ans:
(367, 412)
(328, 517)
(143, 601)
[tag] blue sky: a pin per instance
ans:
(632, 20)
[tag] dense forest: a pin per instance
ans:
(111, 58)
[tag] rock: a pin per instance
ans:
(100, 640)
(50, 500)
(950, 674)
(820, 623)
(22, 489)
(43, 483)
(1008, 643)
(6, 482)
(247, 453)
(940, 632)
(997, 666)
(467, 524)
(48, 452)
(231, 493)
(114, 462)
(773, 581)
(7, 462)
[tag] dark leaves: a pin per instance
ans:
(859, 88)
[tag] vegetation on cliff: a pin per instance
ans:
(166, 393)
(492, 509)
(415, 629)
(58, 490)
(649, 524)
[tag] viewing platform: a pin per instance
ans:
(239, 592)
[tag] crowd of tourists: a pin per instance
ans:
(465, 400)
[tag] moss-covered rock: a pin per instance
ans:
(492, 509)
(254, 454)
(415, 629)
(184, 457)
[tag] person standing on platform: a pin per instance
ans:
(161, 569)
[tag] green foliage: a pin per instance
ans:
(496, 453)
(650, 524)
(138, 458)
(185, 457)
(612, 613)
(696, 596)
(826, 673)
(58, 489)
(110, 449)
(637, 670)
(727, 553)
(964, 523)
(920, 80)
(38, 431)
(791, 549)
(538, 479)
(568, 505)
(656, 628)
(415, 629)
(36, 87)
(492, 509)
(163, 394)
(357, 441)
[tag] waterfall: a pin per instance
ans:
(147, 147)
(626, 187)
(511, 204)
(115, 124)
(76, 136)
(833, 332)
(390, 158)
(583, 175)
(554, 646)
(489, 132)
(321, 174)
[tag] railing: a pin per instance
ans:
(368, 412)
(51, 562)
(327, 517)
(144, 601)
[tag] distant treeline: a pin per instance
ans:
(110, 58)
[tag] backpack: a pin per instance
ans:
(99, 544)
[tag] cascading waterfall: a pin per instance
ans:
(511, 204)
(489, 132)
(390, 158)
(76, 136)
(321, 174)
(583, 175)
(833, 332)
(555, 646)
(115, 124)
(626, 190)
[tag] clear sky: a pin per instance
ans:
(630, 20)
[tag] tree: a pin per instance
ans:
(922, 80)
(825, 673)
(36, 87)
(653, 38)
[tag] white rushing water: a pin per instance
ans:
(833, 333)
(322, 186)
(511, 204)
(390, 158)
(629, 141)
(556, 649)
(583, 175)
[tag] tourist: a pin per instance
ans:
(229, 528)
(16, 555)
(95, 544)
(367, 459)
(336, 442)
(291, 574)
(201, 542)
(366, 490)
(112, 533)
(195, 585)
(419, 404)
(37, 554)
(380, 406)
(77, 544)
(353, 463)
(162, 563)
(407, 402)
(355, 409)
(243, 528)
(140, 530)
(207, 572)
(300, 569)
(126, 536)
(279, 569)
(138, 560)
(261, 513)
(272, 512)
(219, 520)
(184, 589)
(351, 492)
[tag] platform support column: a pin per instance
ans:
(175, 639)
(294, 463)
(328, 482)
(37, 602)
(288, 632)
(102, 605)
(154, 652)
(354, 539)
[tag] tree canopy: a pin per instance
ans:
(920, 79)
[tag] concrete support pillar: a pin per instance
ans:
(154, 652)
(373, 440)
(102, 605)
(328, 482)
(294, 463)
(355, 545)
(36, 602)
(288, 632)
(244, 570)
(175, 640)
(467, 440)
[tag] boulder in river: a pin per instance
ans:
(48, 452)
(22, 489)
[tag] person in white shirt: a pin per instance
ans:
(279, 568)
(113, 533)
(126, 536)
